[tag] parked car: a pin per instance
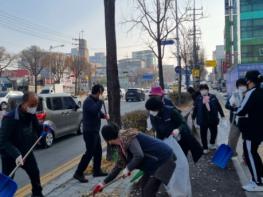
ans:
(147, 91)
(122, 93)
(61, 113)
(47, 90)
(77, 100)
(105, 93)
(134, 94)
(5, 95)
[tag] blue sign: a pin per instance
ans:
(167, 42)
(178, 69)
(147, 77)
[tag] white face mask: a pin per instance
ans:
(204, 92)
(242, 89)
(101, 97)
(154, 113)
(31, 110)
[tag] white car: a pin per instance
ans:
(122, 92)
(47, 90)
(5, 95)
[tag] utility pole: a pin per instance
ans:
(178, 53)
(196, 65)
(80, 57)
(77, 65)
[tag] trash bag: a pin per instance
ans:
(179, 184)
(189, 143)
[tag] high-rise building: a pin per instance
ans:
(98, 58)
(130, 66)
(251, 31)
(82, 50)
(219, 56)
(146, 55)
(243, 32)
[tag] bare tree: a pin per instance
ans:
(113, 85)
(77, 65)
(186, 45)
(5, 59)
(30, 59)
(58, 63)
(156, 18)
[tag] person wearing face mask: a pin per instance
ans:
(251, 128)
(232, 104)
(206, 109)
(169, 126)
(167, 121)
(92, 116)
(20, 129)
(136, 150)
(158, 92)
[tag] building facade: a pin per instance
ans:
(130, 66)
(98, 58)
(219, 56)
(251, 31)
(243, 32)
(146, 55)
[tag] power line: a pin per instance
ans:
(27, 32)
(13, 24)
(32, 24)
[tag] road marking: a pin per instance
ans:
(45, 179)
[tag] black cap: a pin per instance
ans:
(110, 132)
(154, 104)
(254, 76)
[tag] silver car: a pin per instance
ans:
(61, 113)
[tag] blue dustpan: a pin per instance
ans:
(8, 187)
(222, 156)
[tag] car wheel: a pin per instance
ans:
(80, 130)
(48, 140)
(127, 100)
(4, 105)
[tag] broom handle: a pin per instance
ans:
(105, 109)
(26, 155)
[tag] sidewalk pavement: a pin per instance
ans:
(240, 166)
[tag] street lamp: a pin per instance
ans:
(50, 67)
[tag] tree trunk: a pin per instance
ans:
(113, 85)
(160, 64)
(35, 83)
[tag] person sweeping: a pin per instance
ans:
(18, 133)
(136, 150)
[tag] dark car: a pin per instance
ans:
(135, 94)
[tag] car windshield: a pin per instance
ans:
(3, 94)
(44, 92)
(132, 90)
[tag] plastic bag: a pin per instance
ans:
(224, 124)
(179, 184)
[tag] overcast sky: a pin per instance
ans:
(26, 22)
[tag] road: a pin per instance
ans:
(65, 149)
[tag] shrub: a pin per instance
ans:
(135, 119)
(185, 98)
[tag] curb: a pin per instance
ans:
(243, 176)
